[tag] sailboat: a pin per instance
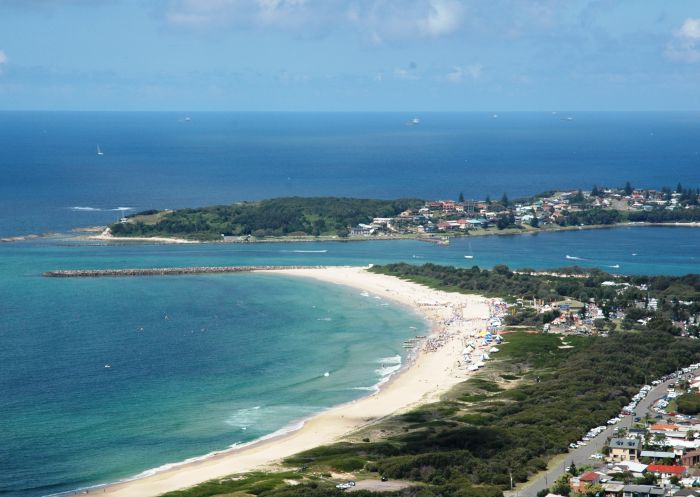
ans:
(470, 255)
(99, 151)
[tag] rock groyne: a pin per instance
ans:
(163, 271)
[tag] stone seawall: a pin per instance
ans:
(164, 271)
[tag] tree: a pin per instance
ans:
(572, 469)
(504, 200)
(461, 197)
(679, 188)
(628, 188)
(595, 192)
(594, 490)
(561, 486)
(535, 222)
(488, 199)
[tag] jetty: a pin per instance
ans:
(164, 271)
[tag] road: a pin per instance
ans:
(581, 456)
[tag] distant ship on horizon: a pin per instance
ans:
(413, 122)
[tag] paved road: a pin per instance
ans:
(581, 456)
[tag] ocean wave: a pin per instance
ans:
(574, 258)
(81, 208)
(243, 418)
(387, 370)
(395, 359)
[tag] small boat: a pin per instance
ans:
(326, 374)
(468, 256)
(413, 122)
(99, 151)
(107, 366)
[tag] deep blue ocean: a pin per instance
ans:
(51, 177)
(200, 363)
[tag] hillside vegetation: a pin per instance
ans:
(312, 216)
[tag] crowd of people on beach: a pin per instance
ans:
(477, 335)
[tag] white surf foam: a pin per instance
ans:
(395, 359)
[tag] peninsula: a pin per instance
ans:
(335, 218)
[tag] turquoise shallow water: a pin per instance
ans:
(240, 356)
(196, 364)
(199, 363)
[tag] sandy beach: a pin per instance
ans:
(106, 236)
(438, 366)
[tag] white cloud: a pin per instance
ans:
(377, 20)
(444, 17)
(459, 73)
(685, 45)
(690, 29)
(235, 13)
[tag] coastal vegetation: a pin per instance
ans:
(508, 421)
(293, 216)
(336, 217)
(668, 303)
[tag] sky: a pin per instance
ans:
(350, 55)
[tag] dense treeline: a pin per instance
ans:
(591, 217)
(688, 403)
(678, 296)
(501, 281)
(665, 216)
(275, 217)
(461, 447)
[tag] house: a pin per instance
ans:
(642, 491)
(663, 427)
(361, 230)
(656, 455)
(583, 481)
(624, 449)
(636, 468)
(568, 304)
(691, 458)
(666, 471)
(613, 489)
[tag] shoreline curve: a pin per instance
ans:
(430, 374)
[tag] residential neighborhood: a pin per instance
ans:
(656, 453)
(599, 206)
